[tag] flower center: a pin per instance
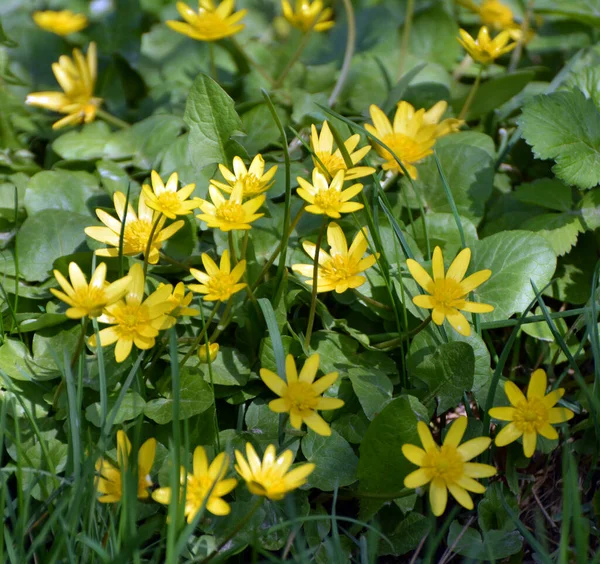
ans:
(446, 464)
(198, 488)
(251, 185)
(332, 163)
(137, 234)
(530, 415)
(221, 285)
(129, 318)
(328, 200)
(169, 202)
(338, 268)
(302, 396)
(208, 22)
(230, 212)
(447, 291)
(91, 298)
(405, 147)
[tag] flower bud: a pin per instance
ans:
(213, 349)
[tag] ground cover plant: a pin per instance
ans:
(299, 281)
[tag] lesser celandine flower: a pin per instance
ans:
(532, 415)
(109, 481)
(329, 198)
(77, 78)
(307, 15)
(62, 22)
(493, 13)
(166, 199)
(448, 291)
(204, 487)
(254, 180)
(134, 321)
(447, 468)
(301, 395)
(412, 136)
(329, 162)
(231, 214)
(88, 299)
(485, 50)
(179, 302)
(271, 477)
(138, 228)
(213, 351)
(341, 268)
(218, 283)
(210, 22)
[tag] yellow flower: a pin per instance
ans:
(412, 136)
(133, 319)
(231, 214)
(447, 469)
(340, 269)
(448, 292)
(301, 395)
(211, 22)
(328, 199)
(254, 180)
(270, 477)
(88, 299)
(110, 478)
(204, 487)
(166, 199)
(308, 15)
(322, 145)
(219, 283)
(137, 229)
(179, 302)
(63, 22)
(77, 78)
(213, 351)
(532, 415)
(492, 13)
(485, 50)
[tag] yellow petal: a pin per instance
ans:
(461, 495)
(559, 415)
(537, 384)
(473, 448)
(476, 279)
(426, 438)
(310, 368)
(438, 496)
(529, 443)
(459, 265)
(514, 394)
(416, 479)
(325, 404)
(437, 264)
(456, 432)
(509, 434)
(414, 454)
(317, 424)
(552, 398)
(476, 470)
(502, 413)
(291, 373)
(273, 381)
(548, 431)
(200, 462)
(420, 275)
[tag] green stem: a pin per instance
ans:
(371, 301)
(198, 339)
(80, 342)
(349, 52)
(224, 321)
(113, 120)
(232, 252)
(293, 59)
(471, 96)
(408, 18)
(404, 336)
(241, 524)
(213, 66)
(313, 300)
(150, 239)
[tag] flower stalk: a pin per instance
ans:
(472, 93)
(313, 298)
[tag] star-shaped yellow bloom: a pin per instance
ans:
(210, 22)
(271, 477)
(88, 299)
(532, 415)
(232, 214)
(166, 199)
(62, 22)
(412, 136)
(254, 180)
(134, 321)
(77, 78)
(219, 283)
(307, 15)
(301, 395)
(485, 50)
(109, 481)
(448, 292)
(138, 228)
(179, 302)
(329, 199)
(447, 468)
(492, 13)
(329, 162)
(204, 487)
(341, 268)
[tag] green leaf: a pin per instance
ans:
(46, 236)
(443, 232)
(131, 407)
(585, 11)
(85, 144)
(213, 121)
(374, 390)
(565, 126)
(382, 466)
(407, 535)
(548, 193)
(515, 258)
(590, 209)
(561, 230)
(495, 545)
(448, 374)
(61, 190)
(195, 396)
(230, 368)
(335, 461)
(335, 350)
(491, 514)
